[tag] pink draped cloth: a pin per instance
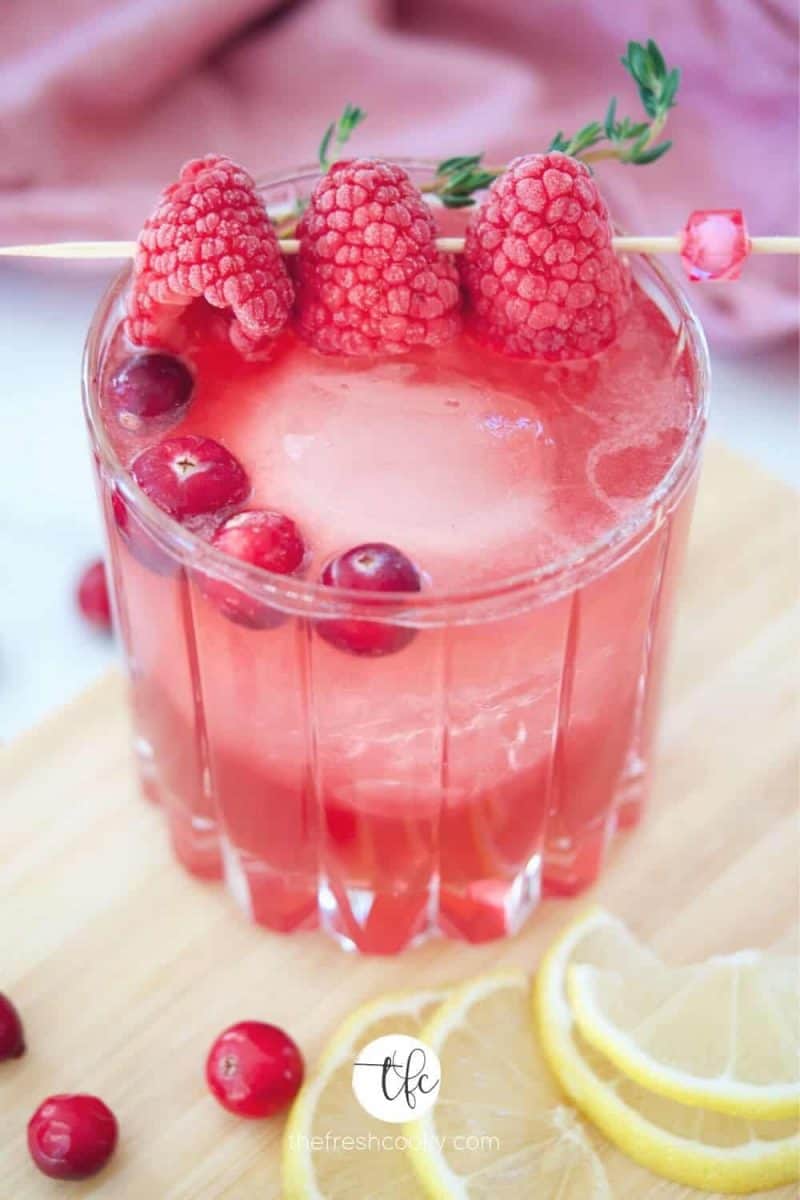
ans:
(102, 100)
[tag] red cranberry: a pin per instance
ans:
(12, 1039)
(72, 1137)
(93, 598)
(264, 539)
(147, 386)
(254, 1069)
(140, 543)
(190, 476)
(374, 567)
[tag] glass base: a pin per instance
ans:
(194, 837)
(488, 908)
(574, 863)
(387, 922)
(270, 898)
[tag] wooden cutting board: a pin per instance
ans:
(125, 968)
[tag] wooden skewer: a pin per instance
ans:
(644, 244)
(71, 250)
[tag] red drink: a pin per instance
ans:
(435, 788)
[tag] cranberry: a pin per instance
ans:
(374, 567)
(190, 476)
(147, 386)
(93, 598)
(141, 544)
(254, 1069)
(12, 1040)
(264, 539)
(72, 1136)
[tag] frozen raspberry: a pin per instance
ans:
(714, 245)
(541, 276)
(264, 539)
(369, 277)
(209, 238)
(191, 476)
(373, 567)
(93, 600)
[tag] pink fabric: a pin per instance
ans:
(102, 100)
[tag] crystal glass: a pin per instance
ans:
(437, 790)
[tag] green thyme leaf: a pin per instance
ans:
(590, 135)
(635, 131)
(338, 134)
(650, 156)
(450, 201)
(670, 88)
(656, 58)
(449, 165)
(325, 145)
(611, 118)
(457, 179)
(559, 142)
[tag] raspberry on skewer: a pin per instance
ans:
(370, 279)
(209, 238)
(540, 273)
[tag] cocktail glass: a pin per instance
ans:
(440, 789)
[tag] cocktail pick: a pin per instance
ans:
(713, 245)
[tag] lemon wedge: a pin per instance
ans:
(690, 1145)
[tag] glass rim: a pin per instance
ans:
(530, 588)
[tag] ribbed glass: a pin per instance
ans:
(439, 790)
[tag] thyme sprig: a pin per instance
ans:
(459, 178)
(629, 141)
(338, 134)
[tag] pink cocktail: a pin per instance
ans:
(509, 733)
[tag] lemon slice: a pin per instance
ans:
(689, 1145)
(499, 1128)
(332, 1148)
(723, 1035)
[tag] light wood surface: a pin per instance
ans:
(125, 969)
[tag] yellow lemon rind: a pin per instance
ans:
(733, 1171)
(296, 1170)
(779, 1102)
(433, 1172)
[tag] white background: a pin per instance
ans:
(48, 523)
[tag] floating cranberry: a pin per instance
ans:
(373, 567)
(190, 476)
(93, 598)
(146, 386)
(142, 545)
(187, 477)
(72, 1136)
(12, 1039)
(265, 539)
(254, 1069)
